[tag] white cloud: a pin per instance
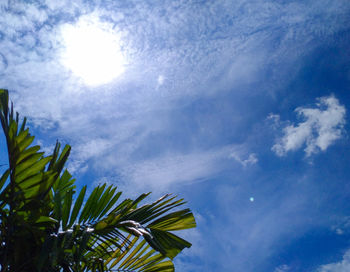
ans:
(197, 49)
(221, 37)
(342, 226)
(88, 149)
(341, 266)
(321, 127)
(282, 268)
(168, 169)
(250, 160)
(161, 171)
(225, 42)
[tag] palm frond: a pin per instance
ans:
(68, 233)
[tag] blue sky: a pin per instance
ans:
(240, 107)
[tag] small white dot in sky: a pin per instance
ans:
(160, 80)
(251, 199)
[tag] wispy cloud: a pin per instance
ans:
(342, 226)
(177, 53)
(250, 160)
(341, 266)
(321, 127)
(223, 41)
(282, 268)
(180, 52)
(173, 168)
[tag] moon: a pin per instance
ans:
(92, 52)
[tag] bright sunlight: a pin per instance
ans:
(92, 52)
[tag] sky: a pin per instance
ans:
(240, 107)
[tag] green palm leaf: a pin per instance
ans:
(68, 233)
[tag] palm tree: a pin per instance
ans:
(46, 225)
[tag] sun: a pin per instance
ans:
(92, 51)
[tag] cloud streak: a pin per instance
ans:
(173, 168)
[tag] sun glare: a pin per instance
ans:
(92, 52)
